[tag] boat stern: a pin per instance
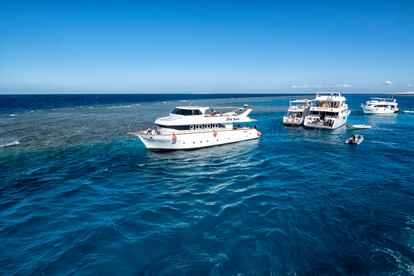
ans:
(292, 121)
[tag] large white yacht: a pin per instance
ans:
(328, 110)
(297, 111)
(192, 127)
(380, 106)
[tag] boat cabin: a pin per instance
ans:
(329, 100)
(189, 110)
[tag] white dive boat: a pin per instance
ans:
(297, 111)
(328, 110)
(380, 106)
(192, 127)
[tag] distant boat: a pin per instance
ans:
(192, 127)
(408, 111)
(380, 106)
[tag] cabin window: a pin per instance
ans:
(176, 127)
(186, 112)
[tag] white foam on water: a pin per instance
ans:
(9, 144)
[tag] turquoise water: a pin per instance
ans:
(78, 195)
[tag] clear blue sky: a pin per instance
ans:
(206, 46)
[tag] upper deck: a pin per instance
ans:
(329, 102)
(299, 105)
(330, 97)
(391, 101)
(194, 115)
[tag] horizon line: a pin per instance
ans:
(205, 93)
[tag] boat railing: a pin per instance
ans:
(297, 107)
(332, 94)
(157, 131)
(389, 100)
(290, 115)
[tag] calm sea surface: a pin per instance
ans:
(80, 196)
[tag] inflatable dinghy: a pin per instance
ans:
(354, 140)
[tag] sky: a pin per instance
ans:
(206, 46)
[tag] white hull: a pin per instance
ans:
(196, 140)
(379, 111)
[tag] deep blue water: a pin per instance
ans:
(78, 195)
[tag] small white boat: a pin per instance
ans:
(408, 111)
(192, 127)
(361, 126)
(355, 140)
(380, 106)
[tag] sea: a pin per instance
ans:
(78, 195)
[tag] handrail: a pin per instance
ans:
(150, 132)
(337, 93)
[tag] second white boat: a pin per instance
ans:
(329, 110)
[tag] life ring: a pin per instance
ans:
(214, 133)
(174, 138)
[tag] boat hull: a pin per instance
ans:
(379, 111)
(196, 140)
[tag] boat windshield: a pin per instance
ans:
(329, 104)
(186, 112)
